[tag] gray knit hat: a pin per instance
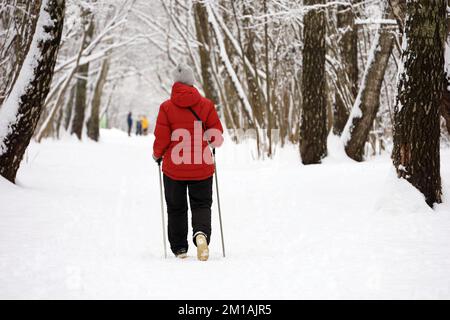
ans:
(184, 74)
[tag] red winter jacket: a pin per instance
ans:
(175, 114)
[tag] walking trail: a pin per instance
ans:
(84, 221)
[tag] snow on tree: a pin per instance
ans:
(367, 102)
(21, 110)
(17, 24)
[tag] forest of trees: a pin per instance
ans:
(371, 72)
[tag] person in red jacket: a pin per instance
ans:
(186, 128)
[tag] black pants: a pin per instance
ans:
(200, 199)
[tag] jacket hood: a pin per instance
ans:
(184, 96)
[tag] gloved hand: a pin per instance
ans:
(157, 160)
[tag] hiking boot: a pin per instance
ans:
(181, 254)
(202, 247)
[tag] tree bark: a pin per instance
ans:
(416, 153)
(445, 104)
(82, 81)
(93, 129)
(368, 101)
(348, 50)
(29, 99)
(399, 9)
(313, 123)
(445, 108)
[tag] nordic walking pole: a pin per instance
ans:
(215, 175)
(162, 210)
(218, 202)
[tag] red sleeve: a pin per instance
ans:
(213, 122)
(162, 133)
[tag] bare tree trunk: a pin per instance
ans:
(247, 108)
(416, 153)
(47, 126)
(69, 108)
(368, 101)
(348, 49)
(399, 10)
(80, 101)
(202, 27)
(249, 51)
(82, 81)
(313, 126)
(59, 122)
(268, 79)
(28, 94)
(232, 103)
(93, 129)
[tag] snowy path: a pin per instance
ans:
(84, 222)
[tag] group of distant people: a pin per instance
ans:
(142, 124)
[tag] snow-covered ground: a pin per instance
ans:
(84, 222)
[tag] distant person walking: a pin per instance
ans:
(145, 125)
(194, 176)
(138, 127)
(130, 123)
